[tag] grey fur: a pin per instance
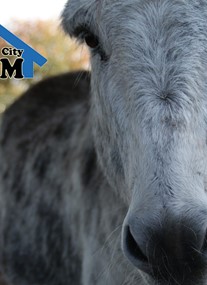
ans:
(61, 208)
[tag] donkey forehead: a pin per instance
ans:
(164, 16)
(161, 42)
(115, 19)
(112, 8)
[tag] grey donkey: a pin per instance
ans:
(104, 183)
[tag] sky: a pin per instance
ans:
(30, 10)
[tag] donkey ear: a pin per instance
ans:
(77, 13)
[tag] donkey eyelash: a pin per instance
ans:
(82, 31)
(85, 35)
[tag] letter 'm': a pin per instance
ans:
(16, 67)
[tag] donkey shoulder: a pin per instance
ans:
(43, 108)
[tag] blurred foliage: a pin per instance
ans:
(62, 53)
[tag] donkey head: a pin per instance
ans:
(149, 114)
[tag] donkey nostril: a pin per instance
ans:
(133, 247)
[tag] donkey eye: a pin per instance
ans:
(91, 41)
(83, 33)
(94, 44)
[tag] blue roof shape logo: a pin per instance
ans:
(29, 55)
